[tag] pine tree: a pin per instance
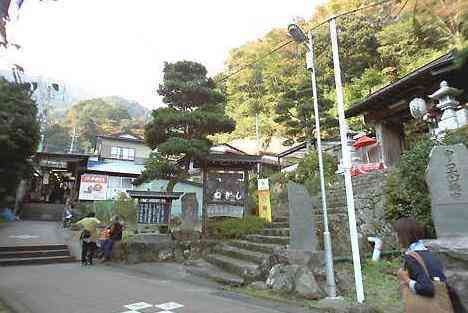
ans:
(180, 131)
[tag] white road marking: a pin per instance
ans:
(138, 306)
(23, 236)
(169, 306)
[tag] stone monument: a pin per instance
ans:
(190, 219)
(447, 178)
(303, 244)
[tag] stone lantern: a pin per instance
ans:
(447, 104)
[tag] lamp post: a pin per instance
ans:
(346, 156)
(298, 35)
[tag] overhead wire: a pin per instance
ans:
(286, 43)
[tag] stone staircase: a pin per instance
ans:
(236, 262)
(36, 254)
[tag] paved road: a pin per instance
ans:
(70, 288)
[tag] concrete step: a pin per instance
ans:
(279, 240)
(214, 273)
(33, 248)
(231, 265)
(33, 254)
(281, 219)
(253, 246)
(281, 232)
(37, 260)
(277, 225)
(239, 253)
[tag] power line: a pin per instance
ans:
(284, 44)
(281, 46)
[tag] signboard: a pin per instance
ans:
(154, 212)
(225, 193)
(53, 163)
(225, 210)
(263, 184)
(93, 187)
(264, 205)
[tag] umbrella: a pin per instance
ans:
(364, 141)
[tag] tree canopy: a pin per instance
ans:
(19, 137)
(377, 46)
(194, 111)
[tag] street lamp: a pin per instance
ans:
(298, 35)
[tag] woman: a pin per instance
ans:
(115, 234)
(422, 268)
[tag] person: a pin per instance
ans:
(419, 262)
(88, 238)
(67, 213)
(115, 230)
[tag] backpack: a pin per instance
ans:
(85, 235)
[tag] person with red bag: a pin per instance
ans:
(114, 234)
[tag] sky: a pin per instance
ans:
(118, 47)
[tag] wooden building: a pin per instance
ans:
(387, 109)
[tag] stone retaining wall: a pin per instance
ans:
(369, 200)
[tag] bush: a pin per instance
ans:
(308, 174)
(125, 207)
(235, 228)
(407, 192)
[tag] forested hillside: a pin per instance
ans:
(377, 46)
(88, 118)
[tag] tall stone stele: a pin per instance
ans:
(447, 178)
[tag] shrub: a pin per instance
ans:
(234, 228)
(407, 192)
(307, 172)
(125, 207)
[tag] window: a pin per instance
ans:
(118, 184)
(123, 153)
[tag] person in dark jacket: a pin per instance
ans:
(115, 234)
(410, 234)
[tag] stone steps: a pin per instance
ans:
(214, 273)
(38, 254)
(231, 265)
(277, 225)
(253, 246)
(37, 260)
(279, 240)
(281, 232)
(33, 254)
(240, 253)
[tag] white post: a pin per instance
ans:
(346, 164)
(72, 144)
(331, 285)
(257, 132)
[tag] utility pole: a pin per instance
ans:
(72, 144)
(346, 156)
(257, 132)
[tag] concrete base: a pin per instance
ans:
(454, 255)
(311, 259)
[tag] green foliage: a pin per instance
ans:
(234, 228)
(195, 110)
(308, 173)
(57, 139)
(125, 207)
(19, 137)
(376, 48)
(407, 193)
(102, 116)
